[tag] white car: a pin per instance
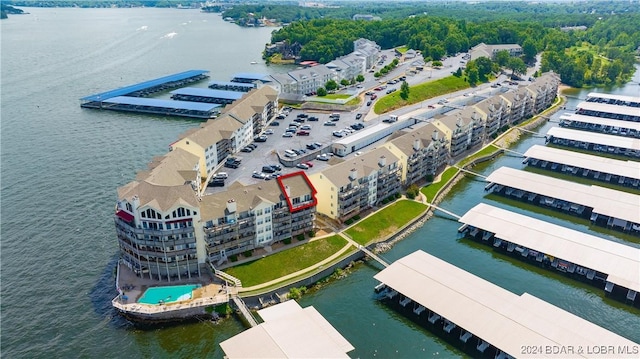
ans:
(268, 132)
(287, 134)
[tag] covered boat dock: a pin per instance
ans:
(288, 331)
(617, 112)
(195, 94)
(601, 125)
(597, 142)
(603, 206)
(610, 265)
(611, 99)
(146, 88)
(624, 173)
(231, 86)
(161, 107)
(250, 78)
(484, 319)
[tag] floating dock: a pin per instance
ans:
(231, 86)
(250, 78)
(601, 125)
(617, 112)
(610, 265)
(603, 206)
(596, 142)
(288, 331)
(486, 320)
(610, 99)
(624, 173)
(133, 98)
(195, 94)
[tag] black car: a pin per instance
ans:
(216, 183)
(311, 146)
(276, 167)
(232, 164)
(275, 123)
(312, 118)
(358, 116)
(303, 115)
(368, 103)
(262, 138)
(299, 120)
(268, 169)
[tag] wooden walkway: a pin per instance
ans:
(244, 311)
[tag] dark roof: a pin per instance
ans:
(226, 83)
(170, 104)
(249, 76)
(144, 85)
(202, 92)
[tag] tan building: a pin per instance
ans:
(156, 219)
(243, 218)
(256, 107)
(350, 187)
(422, 152)
(493, 112)
(462, 129)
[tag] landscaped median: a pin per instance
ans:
(420, 93)
(385, 222)
(284, 263)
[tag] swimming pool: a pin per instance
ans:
(170, 294)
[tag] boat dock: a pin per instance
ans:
(596, 142)
(620, 100)
(194, 94)
(617, 112)
(134, 98)
(601, 125)
(610, 265)
(624, 173)
(231, 86)
(603, 206)
(485, 320)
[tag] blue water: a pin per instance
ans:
(61, 165)
(167, 294)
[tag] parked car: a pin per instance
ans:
(312, 118)
(309, 163)
(246, 149)
(287, 134)
(221, 175)
(276, 167)
(268, 132)
(274, 123)
(368, 103)
(302, 166)
(323, 157)
(258, 175)
(268, 169)
(311, 146)
(358, 116)
(303, 115)
(299, 120)
(391, 90)
(328, 123)
(306, 127)
(261, 138)
(337, 133)
(302, 133)
(216, 183)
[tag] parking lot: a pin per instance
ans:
(293, 133)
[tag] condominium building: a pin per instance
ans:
(422, 152)
(463, 130)
(490, 51)
(493, 112)
(544, 90)
(156, 219)
(256, 107)
(355, 185)
(247, 217)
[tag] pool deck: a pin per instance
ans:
(212, 292)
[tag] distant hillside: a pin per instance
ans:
(8, 9)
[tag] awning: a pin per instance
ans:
(124, 215)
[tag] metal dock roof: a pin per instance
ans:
(227, 83)
(144, 85)
(601, 121)
(629, 169)
(621, 98)
(607, 108)
(202, 92)
(503, 319)
(250, 76)
(168, 104)
(595, 138)
(605, 201)
(621, 262)
(288, 331)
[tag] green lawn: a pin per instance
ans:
(385, 222)
(336, 96)
(430, 191)
(286, 262)
(402, 49)
(420, 92)
(483, 152)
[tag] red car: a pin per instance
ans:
(310, 164)
(302, 133)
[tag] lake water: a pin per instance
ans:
(61, 166)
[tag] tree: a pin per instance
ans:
(502, 58)
(404, 90)
(331, 85)
(377, 74)
(517, 66)
(458, 72)
(322, 92)
(436, 63)
(472, 73)
(485, 67)
(529, 50)
(360, 78)
(344, 82)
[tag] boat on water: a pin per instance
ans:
(253, 62)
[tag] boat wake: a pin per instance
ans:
(169, 35)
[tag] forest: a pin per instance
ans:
(601, 54)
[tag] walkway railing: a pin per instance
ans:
(244, 311)
(373, 255)
(236, 282)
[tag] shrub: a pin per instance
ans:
(233, 258)
(248, 253)
(412, 191)
(428, 178)
(349, 221)
(356, 217)
(286, 241)
(398, 195)
(296, 293)
(311, 234)
(300, 237)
